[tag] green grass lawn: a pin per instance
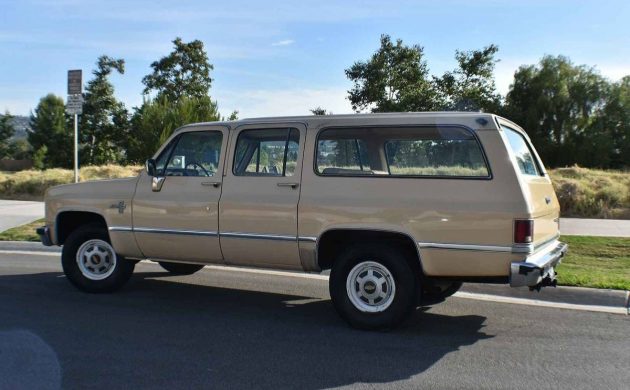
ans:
(23, 233)
(601, 262)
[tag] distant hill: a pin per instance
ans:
(21, 125)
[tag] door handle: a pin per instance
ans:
(214, 184)
(292, 185)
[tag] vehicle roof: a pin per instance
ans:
(327, 118)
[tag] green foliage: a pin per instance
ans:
(185, 72)
(558, 104)
(104, 121)
(156, 120)
(39, 157)
(320, 111)
(471, 86)
(396, 78)
(19, 149)
(51, 136)
(6, 132)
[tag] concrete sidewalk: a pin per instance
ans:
(595, 227)
(15, 213)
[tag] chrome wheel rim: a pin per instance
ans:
(370, 287)
(96, 259)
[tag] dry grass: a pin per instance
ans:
(592, 193)
(32, 184)
(582, 192)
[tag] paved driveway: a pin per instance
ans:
(15, 213)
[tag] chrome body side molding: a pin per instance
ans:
(257, 236)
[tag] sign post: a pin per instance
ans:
(75, 107)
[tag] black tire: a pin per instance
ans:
(180, 268)
(439, 292)
(122, 269)
(407, 286)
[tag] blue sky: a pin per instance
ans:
(284, 57)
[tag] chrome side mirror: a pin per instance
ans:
(157, 182)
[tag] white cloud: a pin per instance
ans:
(260, 102)
(284, 42)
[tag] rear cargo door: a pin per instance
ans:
(536, 184)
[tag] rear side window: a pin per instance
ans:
(522, 152)
(268, 152)
(401, 151)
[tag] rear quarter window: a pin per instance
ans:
(524, 156)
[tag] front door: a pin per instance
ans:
(179, 220)
(258, 209)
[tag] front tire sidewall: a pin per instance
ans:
(120, 275)
(407, 284)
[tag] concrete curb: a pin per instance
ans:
(563, 297)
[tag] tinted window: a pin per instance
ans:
(402, 151)
(522, 152)
(195, 154)
(269, 152)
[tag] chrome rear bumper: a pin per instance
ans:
(538, 267)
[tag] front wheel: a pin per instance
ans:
(90, 262)
(373, 287)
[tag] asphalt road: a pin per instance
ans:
(227, 329)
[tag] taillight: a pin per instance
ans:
(523, 231)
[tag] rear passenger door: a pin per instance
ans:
(261, 189)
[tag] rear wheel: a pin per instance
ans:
(90, 262)
(180, 268)
(373, 286)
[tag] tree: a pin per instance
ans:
(471, 86)
(104, 120)
(558, 104)
(19, 149)
(320, 111)
(185, 72)
(156, 120)
(614, 121)
(6, 132)
(50, 135)
(396, 78)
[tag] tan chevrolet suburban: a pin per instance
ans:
(401, 208)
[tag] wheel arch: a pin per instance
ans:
(332, 239)
(69, 220)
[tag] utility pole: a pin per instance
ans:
(74, 106)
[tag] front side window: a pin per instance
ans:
(400, 151)
(195, 154)
(268, 152)
(522, 152)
